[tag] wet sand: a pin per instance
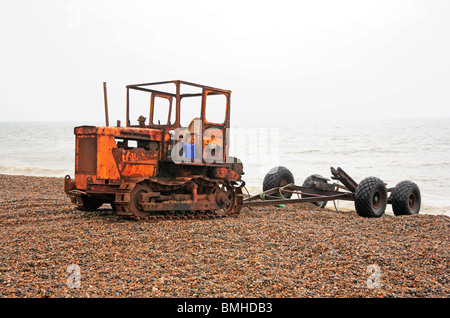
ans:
(297, 251)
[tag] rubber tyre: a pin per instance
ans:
(371, 197)
(278, 177)
(406, 198)
(308, 183)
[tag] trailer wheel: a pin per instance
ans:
(371, 197)
(406, 198)
(308, 184)
(278, 177)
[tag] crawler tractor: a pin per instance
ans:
(154, 167)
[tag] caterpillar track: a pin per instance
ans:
(198, 198)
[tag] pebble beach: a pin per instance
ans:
(49, 249)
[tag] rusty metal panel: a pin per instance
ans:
(225, 173)
(85, 130)
(136, 162)
(81, 181)
(138, 170)
(106, 164)
(86, 154)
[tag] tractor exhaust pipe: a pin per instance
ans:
(106, 104)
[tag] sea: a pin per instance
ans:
(390, 149)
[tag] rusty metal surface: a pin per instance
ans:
(342, 176)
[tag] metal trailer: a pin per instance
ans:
(371, 195)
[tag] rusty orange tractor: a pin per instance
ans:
(158, 166)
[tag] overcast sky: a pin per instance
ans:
(281, 59)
